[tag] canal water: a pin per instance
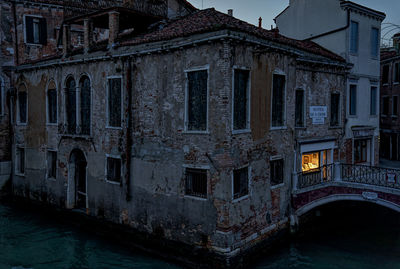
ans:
(338, 236)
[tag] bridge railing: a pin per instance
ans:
(371, 175)
(315, 176)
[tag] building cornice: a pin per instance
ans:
(363, 10)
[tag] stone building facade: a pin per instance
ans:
(190, 130)
(390, 85)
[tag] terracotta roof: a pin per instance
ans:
(208, 20)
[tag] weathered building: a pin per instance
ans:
(352, 31)
(390, 92)
(189, 129)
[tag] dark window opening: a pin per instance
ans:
(385, 106)
(240, 182)
(85, 105)
(395, 105)
(374, 42)
(385, 74)
(52, 164)
(71, 105)
(360, 151)
(335, 107)
(52, 105)
(353, 100)
(354, 37)
(22, 106)
(20, 160)
(241, 102)
(197, 100)
(373, 101)
(114, 169)
(36, 30)
(396, 72)
(196, 182)
(299, 109)
(278, 101)
(276, 172)
(114, 102)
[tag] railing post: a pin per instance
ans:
(295, 181)
(337, 172)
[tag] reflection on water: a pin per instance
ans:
(349, 237)
(31, 241)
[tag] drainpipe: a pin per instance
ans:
(128, 145)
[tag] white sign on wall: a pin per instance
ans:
(318, 114)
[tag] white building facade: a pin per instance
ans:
(353, 32)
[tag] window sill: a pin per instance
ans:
(394, 116)
(335, 127)
(197, 132)
(51, 179)
(195, 197)
(19, 174)
(278, 128)
(396, 83)
(300, 128)
(373, 116)
(52, 124)
(278, 186)
(113, 182)
(245, 131)
(21, 124)
(236, 200)
(34, 44)
(113, 128)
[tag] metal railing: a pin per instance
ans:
(315, 176)
(371, 175)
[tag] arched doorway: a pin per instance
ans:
(77, 185)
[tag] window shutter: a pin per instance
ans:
(29, 29)
(42, 31)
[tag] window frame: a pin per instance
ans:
(304, 106)
(350, 99)
(237, 199)
(387, 97)
(384, 83)
(395, 105)
(47, 104)
(358, 37)
(112, 156)
(186, 117)
(375, 56)
(274, 159)
(19, 123)
(17, 168)
(39, 44)
(376, 101)
(396, 71)
(205, 168)
(339, 110)
(284, 126)
(248, 93)
(79, 107)
(108, 126)
(47, 164)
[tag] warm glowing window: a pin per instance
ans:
(310, 161)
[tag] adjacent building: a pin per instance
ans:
(390, 92)
(353, 32)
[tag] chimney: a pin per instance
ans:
(230, 12)
(260, 22)
(66, 39)
(276, 30)
(88, 34)
(113, 26)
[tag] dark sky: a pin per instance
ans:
(251, 10)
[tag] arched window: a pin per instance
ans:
(84, 85)
(51, 103)
(70, 103)
(22, 105)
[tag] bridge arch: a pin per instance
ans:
(344, 197)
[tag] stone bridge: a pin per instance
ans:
(341, 182)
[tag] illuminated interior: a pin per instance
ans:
(310, 161)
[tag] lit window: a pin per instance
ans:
(310, 162)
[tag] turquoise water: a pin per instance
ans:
(342, 237)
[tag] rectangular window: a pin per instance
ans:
(360, 150)
(240, 182)
(310, 162)
(385, 106)
(35, 30)
(114, 169)
(196, 182)
(395, 105)
(299, 113)
(52, 105)
(276, 172)
(114, 102)
(241, 100)
(385, 74)
(197, 101)
(374, 42)
(278, 101)
(373, 101)
(22, 107)
(396, 73)
(20, 161)
(353, 100)
(335, 108)
(51, 164)
(354, 37)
